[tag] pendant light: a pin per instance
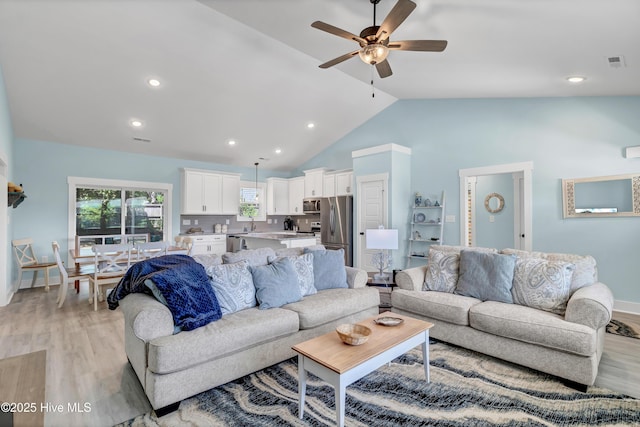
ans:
(256, 199)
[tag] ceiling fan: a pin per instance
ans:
(374, 41)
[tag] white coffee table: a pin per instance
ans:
(340, 364)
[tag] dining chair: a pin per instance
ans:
(69, 274)
(27, 261)
(111, 262)
(184, 242)
(148, 250)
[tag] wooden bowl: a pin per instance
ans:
(353, 334)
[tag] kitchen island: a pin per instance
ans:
(278, 240)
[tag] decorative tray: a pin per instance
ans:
(388, 321)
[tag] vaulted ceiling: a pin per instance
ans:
(76, 72)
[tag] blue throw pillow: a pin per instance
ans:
(276, 284)
(328, 269)
(486, 276)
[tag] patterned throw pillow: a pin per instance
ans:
(303, 265)
(542, 284)
(442, 271)
(233, 285)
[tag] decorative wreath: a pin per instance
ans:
(500, 203)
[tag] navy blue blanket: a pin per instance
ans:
(181, 280)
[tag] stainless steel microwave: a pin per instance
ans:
(311, 205)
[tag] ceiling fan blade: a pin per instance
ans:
(398, 14)
(338, 32)
(384, 69)
(339, 59)
(419, 45)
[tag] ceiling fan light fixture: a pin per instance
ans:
(576, 79)
(374, 53)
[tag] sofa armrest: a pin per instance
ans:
(147, 318)
(356, 278)
(411, 279)
(590, 306)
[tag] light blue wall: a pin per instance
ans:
(6, 153)
(564, 137)
(497, 234)
(43, 168)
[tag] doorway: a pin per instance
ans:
(372, 203)
(519, 226)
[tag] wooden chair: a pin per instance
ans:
(151, 250)
(111, 262)
(68, 274)
(27, 261)
(185, 243)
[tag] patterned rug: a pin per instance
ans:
(629, 330)
(466, 389)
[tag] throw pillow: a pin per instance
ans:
(486, 276)
(542, 284)
(254, 256)
(233, 285)
(442, 271)
(328, 269)
(276, 284)
(208, 260)
(303, 265)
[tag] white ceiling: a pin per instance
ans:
(247, 70)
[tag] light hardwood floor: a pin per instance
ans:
(86, 360)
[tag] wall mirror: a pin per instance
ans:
(601, 196)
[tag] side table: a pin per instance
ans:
(385, 288)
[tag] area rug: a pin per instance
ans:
(629, 330)
(466, 389)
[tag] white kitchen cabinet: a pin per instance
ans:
(209, 193)
(313, 182)
(296, 194)
(344, 183)
(329, 186)
(213, 244)
(277, 196)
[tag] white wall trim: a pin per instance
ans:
(210, 171)
(626, 306)
(6, 257)
(381, 149)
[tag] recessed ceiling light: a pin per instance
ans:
(576, 79)
(136, 123)
(311, 125)
(153, 82)
(278, 151)
(231, 142)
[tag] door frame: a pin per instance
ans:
(524, 171)
(360, 180)
(6, 287)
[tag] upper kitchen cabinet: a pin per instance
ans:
(313, 182)
(277, 196)
(344, 183)
(209, 193)
(296, 194)
(329, 187)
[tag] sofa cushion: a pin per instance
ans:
(486, 276)
(328, 269)
(450, 249)
(255, 257)
(298, 251)
(533, 326)
(442, 271)
(584, 274)
(542, 284)
(233, 285)
(332, 304)
(208, 260)
(303, 264)
(231, 334)
(443, 306)
(276, 284)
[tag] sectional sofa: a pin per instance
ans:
(550, 315)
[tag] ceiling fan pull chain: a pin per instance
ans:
(373, 95)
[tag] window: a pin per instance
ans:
(112, 209)
(252, 202)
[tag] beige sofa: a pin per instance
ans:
(565, 344)
(172, 367)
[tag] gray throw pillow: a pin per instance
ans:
(276, 284)
(254, 256)
(303, 265)
(442, 271)
(486, 276)
(542, 284)
(328, 269)
(233, 285)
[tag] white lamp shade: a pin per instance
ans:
(382, 239)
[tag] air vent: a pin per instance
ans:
(136, 139)
(616, 61)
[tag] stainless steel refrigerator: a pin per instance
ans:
(336, 225)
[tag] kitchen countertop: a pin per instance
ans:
(279, 236)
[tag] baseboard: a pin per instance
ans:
(54, 279)
(627, 306)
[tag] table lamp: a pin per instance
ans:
(382, 239)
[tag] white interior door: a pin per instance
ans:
(372, 212)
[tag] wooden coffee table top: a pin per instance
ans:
(330, 351)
